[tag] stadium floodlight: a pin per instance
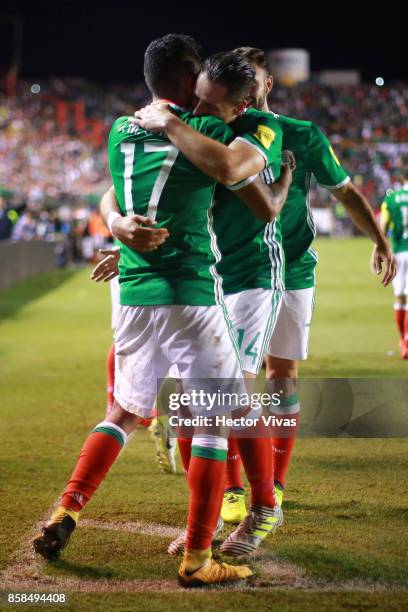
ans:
(379, 81)
(35, 88)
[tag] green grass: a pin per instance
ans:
(353, 331)
(347, 501)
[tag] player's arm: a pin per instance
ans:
(363, 217)
(266, 200)
(130, 229)
(225, 164)
(326, 167)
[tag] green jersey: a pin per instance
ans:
(314, 156)
(152, 178)
(250, 249)
(394, 211)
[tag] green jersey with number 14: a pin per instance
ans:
(395, 211)
(314, 156)
(152, 178)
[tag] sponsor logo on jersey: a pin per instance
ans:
(265, 135)
(334, 156)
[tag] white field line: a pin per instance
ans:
(25, 570)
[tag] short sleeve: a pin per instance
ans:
(322, 161)
(263, 132)
(385, 213)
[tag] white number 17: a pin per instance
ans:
(128, 149)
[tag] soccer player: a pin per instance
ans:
(171, 304)
(253, 291)
(288, 345)
(394, 217)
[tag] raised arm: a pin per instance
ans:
(226, 165)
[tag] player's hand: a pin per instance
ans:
(382, 255)
(132, 231)
(154, 117)
(108, 267)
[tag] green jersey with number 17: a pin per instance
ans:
(152, 178)
(314, 156)
(394, 210)
(251, 255)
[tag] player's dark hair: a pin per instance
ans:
(167, 60)
(233, 71)
(254, 55)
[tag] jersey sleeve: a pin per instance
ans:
(385, 214)
(322, 161)
(264, 133)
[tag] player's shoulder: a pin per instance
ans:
(203, 122)
(298, 125)
(121, 123)
(208, 125)
(251, 118)
(124, 128)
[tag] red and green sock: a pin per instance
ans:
(96, 457)
(206, 479)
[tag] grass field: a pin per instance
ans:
(344, 542)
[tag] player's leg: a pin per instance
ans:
(400, 287)
(135, 392)
(201, 345)
(288, 345)
(233, 505)
(110, 378)
(406, 307)
(160, 431)
(110, 358)
(283, 374)
(400, 314)
(254, 333)
(253, 314)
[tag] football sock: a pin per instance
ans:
(96, 457)
(283, 446)
(110, 378)
(406, 323)
(206, 479)
(234, 468)
(184, 445)
(400, 315)
(256, 455)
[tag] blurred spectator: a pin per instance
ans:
(54, 159)
(25, 228)
(8, 217)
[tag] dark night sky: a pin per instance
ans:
(106, 42)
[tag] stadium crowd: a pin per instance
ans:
(54, 161)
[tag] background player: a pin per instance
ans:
(394, 217)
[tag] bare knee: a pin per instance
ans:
(280, 368)
(122, 418)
